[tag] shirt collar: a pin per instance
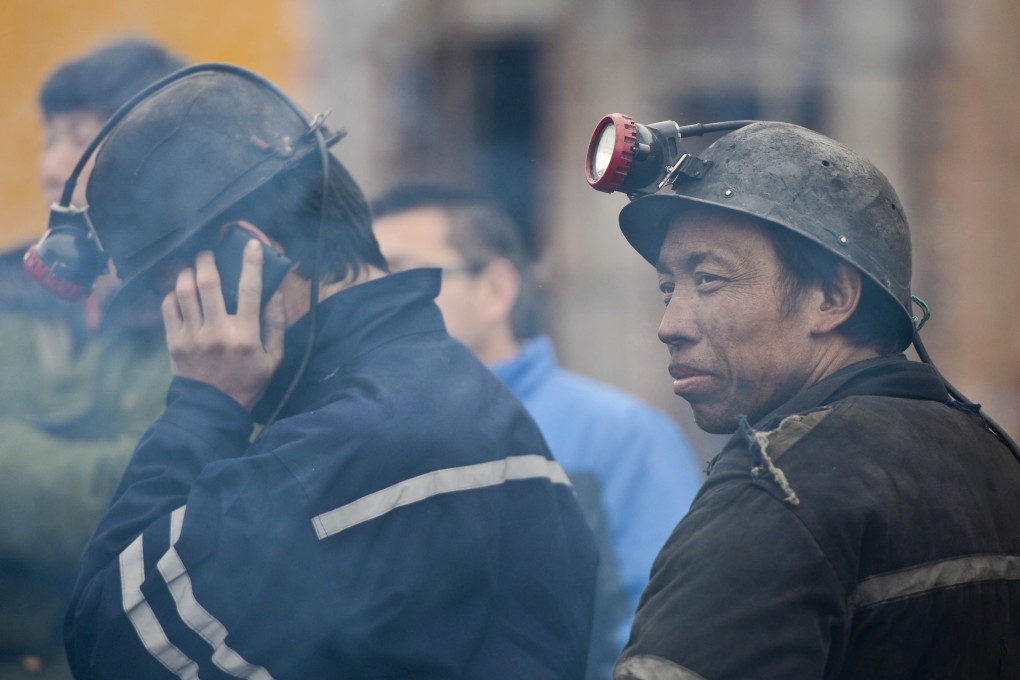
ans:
(525, 371)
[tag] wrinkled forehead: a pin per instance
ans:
(700, 232)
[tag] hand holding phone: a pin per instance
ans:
(235, 352)
(229, 253)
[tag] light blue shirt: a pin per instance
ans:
(646, 470)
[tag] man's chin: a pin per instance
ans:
(714, 422)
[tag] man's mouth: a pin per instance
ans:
(688, 380)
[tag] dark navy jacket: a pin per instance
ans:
(403, 519)
(869, 530)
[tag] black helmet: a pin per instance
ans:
(185, 153)
(797, 179)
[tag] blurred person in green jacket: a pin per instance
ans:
(81, 381)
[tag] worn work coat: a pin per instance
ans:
(869, 529)
(402, 519)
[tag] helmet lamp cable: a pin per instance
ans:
(313, 290)
(990, 423)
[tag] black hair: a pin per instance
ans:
(480, 231)
(102, 80)
(287, 209)
(878, 322)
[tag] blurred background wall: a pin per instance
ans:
(504, 94)
(269, 36)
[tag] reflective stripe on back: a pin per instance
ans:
(435, 483)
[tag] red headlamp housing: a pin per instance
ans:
(611, 152)
(631, 157)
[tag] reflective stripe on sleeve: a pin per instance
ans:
(176, 523)
(435, 483)
(202, 622)
(956, 571)
(195, 616)
(649, 667)
(151, 634)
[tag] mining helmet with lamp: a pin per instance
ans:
(782, 173)
(168, 162)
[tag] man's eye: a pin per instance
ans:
(705, 279)
(666, 288)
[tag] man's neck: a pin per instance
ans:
(838, 355)
(502, 347)
(296, 290)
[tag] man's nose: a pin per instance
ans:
(678, 324)
(57, 162)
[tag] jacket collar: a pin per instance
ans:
(891, 376)
(351, 323)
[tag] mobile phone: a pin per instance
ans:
(229, 253)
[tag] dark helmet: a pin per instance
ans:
(800, 180)
(184, 154)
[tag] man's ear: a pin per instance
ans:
(839, 304)
(502, 287)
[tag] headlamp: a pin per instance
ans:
(628, 156)
(68, 259)
(611, 152)
(640, 159)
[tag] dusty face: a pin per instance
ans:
(66, 136)
(419, 238)
(733, 348)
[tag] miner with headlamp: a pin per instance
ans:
(398, 514)
(863, 521)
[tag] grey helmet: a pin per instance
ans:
(797, 179)
(185, 153)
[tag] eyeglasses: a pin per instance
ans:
(403, 264)
(467, 269)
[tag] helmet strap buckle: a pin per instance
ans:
(318, 124)
(687, 166)
(919, 323)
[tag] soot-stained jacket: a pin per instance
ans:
(869, 529)
(402, 519)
